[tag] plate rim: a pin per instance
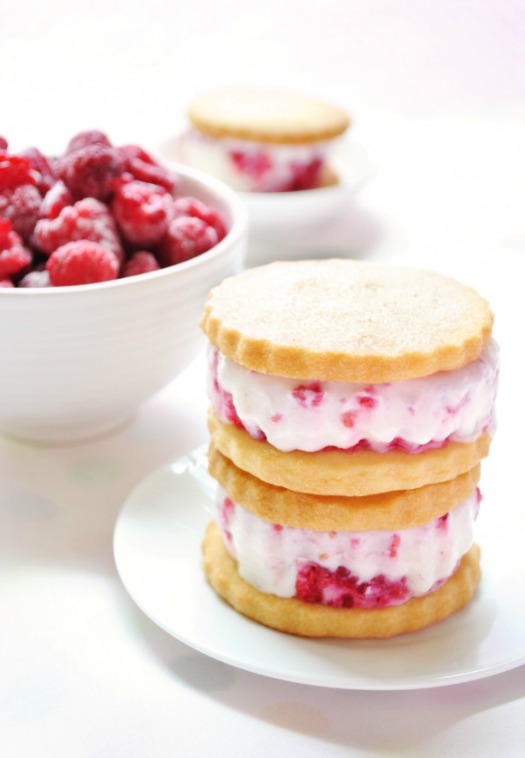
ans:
(194, 460)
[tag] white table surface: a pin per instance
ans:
(437, 91)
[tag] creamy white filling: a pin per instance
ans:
(269, 556)
(304, 415)
(259, 167)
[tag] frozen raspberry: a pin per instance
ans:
(14, 171)
(142, 212)
(88, 219)
(342, 589)
(6, 283)
(145, 168)
(81, 262)
(3, 143)
(85, 138)
(46, 174)
(14, 257)
(190, 206)
(91, 171)
(55, 200)
(21, 205)
(35, 278)
(186, 238)
(141, 262)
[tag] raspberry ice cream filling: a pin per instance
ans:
(374, 569)
(411, 415)
(256, 166)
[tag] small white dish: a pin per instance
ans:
(321, 222)
(157, 552)
(271, 212)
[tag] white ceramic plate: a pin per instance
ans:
(157, 552)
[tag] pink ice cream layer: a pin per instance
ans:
(412, 415)
(256, 166)
(374, 569)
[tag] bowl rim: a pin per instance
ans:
(237, 230)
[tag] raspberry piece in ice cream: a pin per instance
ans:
(81, 262)
(142, 212)
(191, 206)
(145, 168)
(6, 283)
(87, 219)
(86, 138)
(141, 262)
(21, 205)
(91, 171)
(14, 257)
(186, 238)
(306, 176)
(341, 589)
(3, 143)
(254, 163)
(310, 395)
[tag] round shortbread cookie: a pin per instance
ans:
(266, 116)
(345, 320)
(389, 511)
(309, 620)
(351, 474)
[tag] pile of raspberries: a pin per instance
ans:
(96, 213)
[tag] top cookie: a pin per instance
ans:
(265, 116)
(346, 320)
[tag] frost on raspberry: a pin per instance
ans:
(186, 238)
(44, 167)
(14, 257)
(81, 262)
(142, 212)
(37, 278)
(87, 137)
(91, 171)
(141, 262)
(55, 200)
(142, 166)
(191, 206)
(87, 219)
(21, 205)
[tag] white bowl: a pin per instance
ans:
(77, 361)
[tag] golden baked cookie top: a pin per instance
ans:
(346, 320)
(401, 509)
(266, 116)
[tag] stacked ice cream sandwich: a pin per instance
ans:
(351, 405)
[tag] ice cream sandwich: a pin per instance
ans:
(263, 140)
(351, 404)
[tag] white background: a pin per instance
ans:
(436, 91)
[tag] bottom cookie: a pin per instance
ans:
(309, 620)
